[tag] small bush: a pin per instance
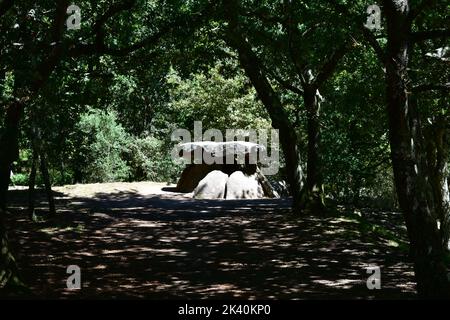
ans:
(20, 179)
(106, 143)
(149, 159)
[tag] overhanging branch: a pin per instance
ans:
(98, 30)
(46, 67)
(367, 34)
(372, 40)
(330, 65)
(430, 34)
(285, 84)
(99, 46)
(431, 87)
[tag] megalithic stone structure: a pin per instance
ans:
(228, 158)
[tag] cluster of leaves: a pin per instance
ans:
(221, 98)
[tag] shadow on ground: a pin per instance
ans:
(130, 245)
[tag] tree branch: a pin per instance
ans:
(263, 16)
(251, 64)
(329, 66)
(299, 66)
(367, 34)
(58, 22)
(430, 34)
(372, 40)
(431, 87)
(46, 67)
(113, 10)
(286, 84)
(99, 47)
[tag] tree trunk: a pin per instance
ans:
(8, 269)
(437, 147)
(31, 184)
(410, 168)
(9, 153)
(280, 120)
(40, 156)
(313, 194)
(9, 148)
(47, 182)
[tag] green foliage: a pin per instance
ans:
(355, 147)
(221, 98)
(20, 179)
(149, 159)
(6, 86)
(106, 97)
(106, 143)
(111, 154)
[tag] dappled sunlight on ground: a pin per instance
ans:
(142, 241)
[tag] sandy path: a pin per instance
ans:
(141, 240)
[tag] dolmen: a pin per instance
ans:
(233, 174)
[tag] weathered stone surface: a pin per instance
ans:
(220, 149)
(212, 186)
(192, 175)
(241, 186)
(266, 186)
(280, 188)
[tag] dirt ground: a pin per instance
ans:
(142, 240)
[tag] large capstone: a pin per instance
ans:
(243, 150)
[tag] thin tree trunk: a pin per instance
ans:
(31, 185)
(280, 120)
(313, 193)
(8, 267)
(39, 155)
(47, 182)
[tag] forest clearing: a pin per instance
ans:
(135, 240)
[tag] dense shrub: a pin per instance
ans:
(149, 159)
(106, 143)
